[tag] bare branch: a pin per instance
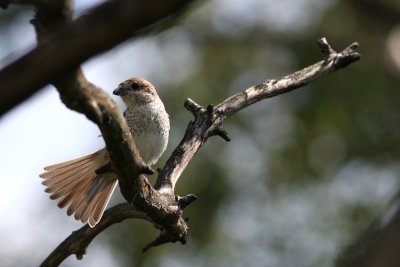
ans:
(300, 78)
(79, 240)
(185, 200)
(208, 122)
(102, 28)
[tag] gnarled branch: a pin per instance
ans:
(79, 240)
(208, 122)
(100, 29)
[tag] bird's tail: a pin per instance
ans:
(79, 187)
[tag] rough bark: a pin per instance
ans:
(98, 30)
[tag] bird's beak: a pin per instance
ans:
(119, 91)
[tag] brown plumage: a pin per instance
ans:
(76, 182)
(78, 186)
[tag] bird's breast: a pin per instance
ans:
(149, 126)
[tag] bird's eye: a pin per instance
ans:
(135, 86)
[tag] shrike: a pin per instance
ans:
(84, 184)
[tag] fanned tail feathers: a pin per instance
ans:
(84, 192)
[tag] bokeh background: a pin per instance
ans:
(305, 172)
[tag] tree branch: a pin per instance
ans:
(79, 240)
(208, 122)
(102, 28)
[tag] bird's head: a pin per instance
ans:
(136, 91)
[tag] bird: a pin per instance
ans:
(85, 184)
